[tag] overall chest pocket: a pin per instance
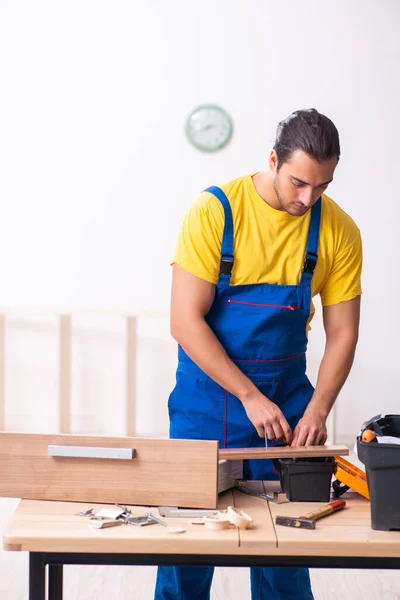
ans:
(263, 304)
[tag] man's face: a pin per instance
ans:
(300, 181)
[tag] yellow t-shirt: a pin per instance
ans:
(269, 245)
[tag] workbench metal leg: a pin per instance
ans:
(55, 582)
(37, 576)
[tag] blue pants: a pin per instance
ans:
(194, 583)
(197, 407)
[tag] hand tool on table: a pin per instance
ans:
(308, 520)
(103, 523)
(85, 513)
(278, 497)
(151, 517)
(127, 518)
(107, 517)
(139, 521)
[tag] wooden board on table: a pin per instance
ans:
(283, 452)
(162, 471)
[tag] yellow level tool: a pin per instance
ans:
(350, 476)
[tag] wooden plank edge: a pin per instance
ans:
(283, 452)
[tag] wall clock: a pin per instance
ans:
(209, 128)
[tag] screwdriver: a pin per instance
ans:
(266, 439)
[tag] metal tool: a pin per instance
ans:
(139, 521)
(85, 513)
(307, 521)
(277, 497)
(265, 434)
(109, 519)
(284, 440)
(151, 517)
(102, 523)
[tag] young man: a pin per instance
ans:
(249, 258)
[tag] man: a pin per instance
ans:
(249, 259)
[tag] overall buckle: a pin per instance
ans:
(226, 264)
(309, 262)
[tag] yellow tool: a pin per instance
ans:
(351, 476)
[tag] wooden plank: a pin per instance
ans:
(283, 452)
(163, 472)
(345, 533)
(2, 370)
(131, 358)
(65, 344)
(40, 526)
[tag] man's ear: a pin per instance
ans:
(273, 161)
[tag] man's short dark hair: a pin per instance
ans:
(307, 130)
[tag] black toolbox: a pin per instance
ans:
(382, 467)
(306, 479)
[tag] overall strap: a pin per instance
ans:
(311, 257)
(226, 264)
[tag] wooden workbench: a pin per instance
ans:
(53, 535)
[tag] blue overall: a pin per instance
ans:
(262, 327)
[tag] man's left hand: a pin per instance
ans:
(310, 431)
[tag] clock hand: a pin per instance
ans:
(206, 127)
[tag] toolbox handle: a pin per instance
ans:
(91, 452)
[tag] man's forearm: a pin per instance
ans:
(333, 372)
(202, 346)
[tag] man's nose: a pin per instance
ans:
(306, 197)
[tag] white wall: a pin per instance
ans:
(96, 173)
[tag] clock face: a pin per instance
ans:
(209, 128)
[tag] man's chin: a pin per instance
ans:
(296, 211)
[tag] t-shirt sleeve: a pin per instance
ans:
(344, 280)
(198, 247)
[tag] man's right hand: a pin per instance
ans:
(260, 410)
